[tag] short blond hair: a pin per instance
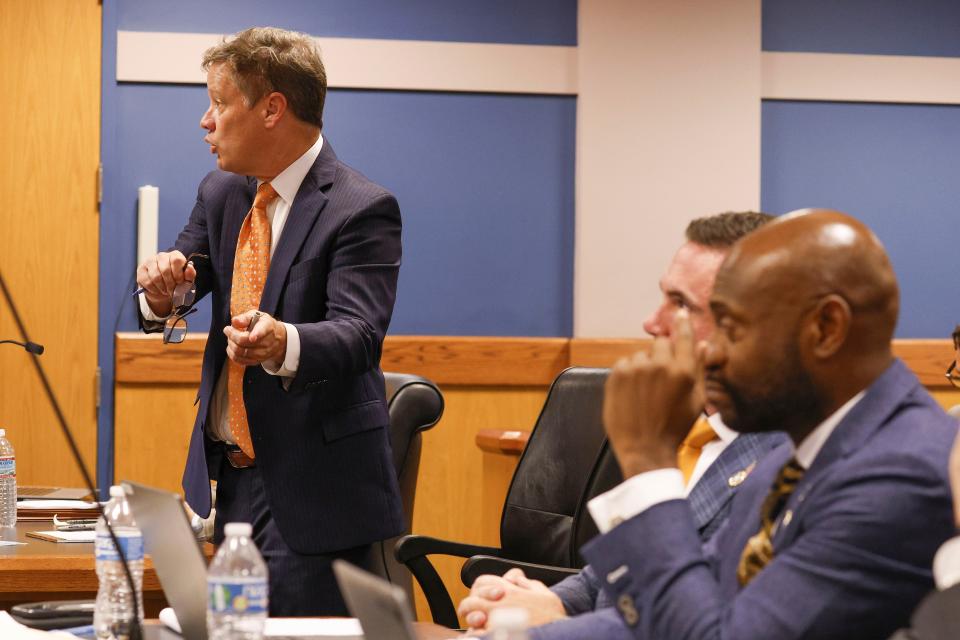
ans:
(267, 59)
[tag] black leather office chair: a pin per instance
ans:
(544, 520)
(415, 405)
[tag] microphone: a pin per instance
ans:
(32, 347)
(134, 632)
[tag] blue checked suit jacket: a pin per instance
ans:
(322, 443)
(591, 608)
(852, 561)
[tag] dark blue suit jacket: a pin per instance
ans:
(322, 444)
(583, 596)
(852, 562)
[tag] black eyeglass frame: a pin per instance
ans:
(183, 299)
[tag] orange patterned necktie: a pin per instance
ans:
(759, 551)
(250, 269)
(689, 451)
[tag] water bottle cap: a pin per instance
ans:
(238, 529)
(116, 491)
(509, 619)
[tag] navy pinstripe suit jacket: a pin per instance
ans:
(322, 444)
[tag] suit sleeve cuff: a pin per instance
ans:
(634, 496)
(291, 362)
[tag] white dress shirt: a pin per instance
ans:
(637, 494)
(286, 184)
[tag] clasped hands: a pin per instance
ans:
(266, 342)
(513, 590)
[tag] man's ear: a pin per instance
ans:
(829, 325)
(274, 107)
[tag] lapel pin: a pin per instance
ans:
(737, 479)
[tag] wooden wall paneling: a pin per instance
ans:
(50, 133)
(460, 489)
(152, 427)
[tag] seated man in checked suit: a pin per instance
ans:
(714, 459)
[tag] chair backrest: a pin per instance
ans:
(606, 475)
(556, 472)
(415, 405)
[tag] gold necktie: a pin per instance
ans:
(759, 549)
(689, 450)
(250, 267)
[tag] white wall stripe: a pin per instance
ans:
(860, 78)
(372, 64)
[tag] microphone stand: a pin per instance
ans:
(135, 631)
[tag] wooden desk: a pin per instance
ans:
(154, 630)
(41, 570)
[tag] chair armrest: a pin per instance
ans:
(483, 564)
(412, 551)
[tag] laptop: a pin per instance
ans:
(176, 554)
(380, 607)
(178, 560)
(26, 492)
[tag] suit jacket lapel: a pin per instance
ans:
(882, 398)
(720, 481)
(234, 213)
(306, 208)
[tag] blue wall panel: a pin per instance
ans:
(551, 22)
(485, 182)
(888, 27)
(892, 166)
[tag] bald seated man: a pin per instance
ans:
(833, 534)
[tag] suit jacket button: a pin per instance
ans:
(627, 610)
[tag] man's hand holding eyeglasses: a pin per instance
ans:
(159, 275)
(266, 342)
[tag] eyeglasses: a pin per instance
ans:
(183, 298)
(952, 375)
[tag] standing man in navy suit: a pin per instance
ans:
(578, 607)
(300, 254)
(833, 534)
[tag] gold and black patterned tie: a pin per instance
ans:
(759, 549)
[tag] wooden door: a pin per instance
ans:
(49, 153)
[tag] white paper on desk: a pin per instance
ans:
(292, 627)
(55, 504)
(72, 536)
(313, 627)
(9, 543)
(10, 629)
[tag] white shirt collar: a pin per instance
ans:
(288, 181)
(723, 432)
(808, 449)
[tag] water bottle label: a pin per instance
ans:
(131, 543)
(8, 467)
(237, 596)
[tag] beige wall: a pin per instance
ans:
(668, 129)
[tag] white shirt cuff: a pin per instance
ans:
(946, 564)
(291, 362)
(634, 496)
(147, 312)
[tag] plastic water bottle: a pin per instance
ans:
(8, 482)
(114, 610)
(237, 587)
(508, 623)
